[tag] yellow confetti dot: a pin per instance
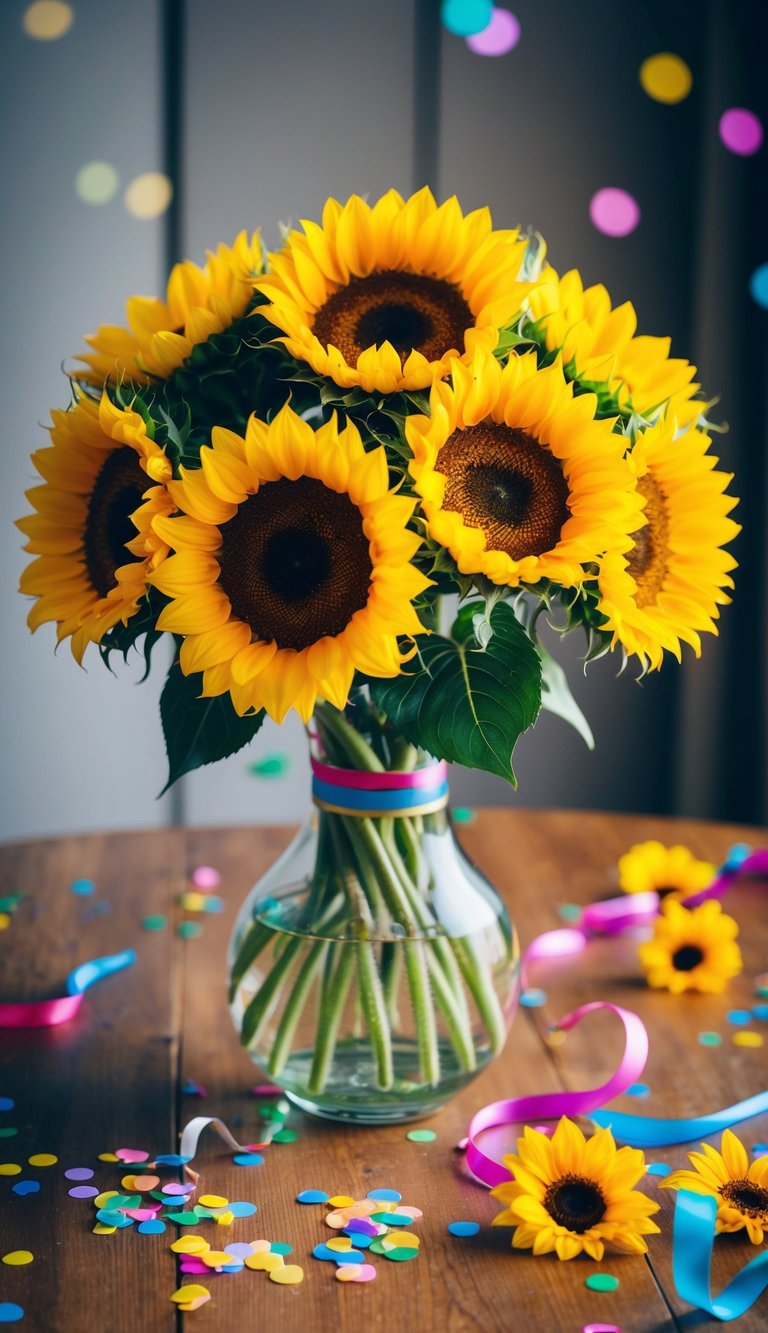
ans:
(213, 1201)
(263, 1263)
(339, 1243)
(190, 1293)
(666, 78)
(341, 1201)
(128, 1182)
(18, 1257)
(215, 1258)
(97, 182)
(143, 1183)
(348, 1272)
(101, 1229)
(288, 1276)
(225, 1219)
(48, 19)
(190, 1244)
(193, 901)
(103, 1199)
(747, 1039)
(10, 1169)
(399, 1239)
(149, 195)
(42, 1159)
(5, 921)
(108, 1157)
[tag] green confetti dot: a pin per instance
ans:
(8, 1132)
(601, 1282)
(285, 1136)
(710, 1039)
(189, 930)
(10, 903)
(421, 1135)
(271, 766)
(569, 912)
(463, 814)
(155, 922)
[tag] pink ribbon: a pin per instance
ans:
(756, 863)
(552, 1105)
(356, 779)
(40, 1013)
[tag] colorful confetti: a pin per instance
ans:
(463, 1228)
(741, 131)
(501, 35)
(465, 18)
(256, 1159)
(83, 887)
(601, 1282)
(738, 1016)
(710, 1039)
(463, 814)
(17, 1258)
(310, 1196)
(10, 1313)
(421, 1135)
(658, 1169)
(569, 912)
(533, 998)
(42, 1159)
(10, 1169)
(614, 212)
(7, 1103)
(79, 1173)
(157, 922)
(638, 1090)
(288, 1276)
(751, 1039)
(23, 1187)
(666, 78)
(758, 289)
(271, 766)
(189, 930)
(206, 877)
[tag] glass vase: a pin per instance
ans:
(374, 971)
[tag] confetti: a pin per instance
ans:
(342, 1201)
(5, 921)
(285, 1136)
(758, 288)
(10, 1313)
(761, 981)
(533, 998)
(601, 1282)
(385, 1196)
(281, 1247)
(108, 1157)
(83, 887)
(83, 1192)
(463, 1228)
(310, 1196)
(79, 1173)
(190, 1245)
(242, 1209)
(412, 1213)
(658, 1169)
(10, 1169)
(463, 814)
(637, 1090)
(7, 1103)
(752, 1039)
(760, 1011)
(569, 912)
(501, 35)
(271, 766)
(256, 1159)
(741, 131)
(402, 1254)
(710, 1039)
(614, 212)
(205, 877)
(666, 78)
(144, 1183)
(131, 1155)
(266, 1090)
(152, 1227)
(189, 930)
(421, 1135)
(601, 1328)
(356, 1273)
(23, 1187)
(190, 1293)
(266, 1263)
(8, 1132)
(16, 1258)
(360, 1239)
(392, 1219)
(465, 18)
(157, 922)
(42, 1159)
(171, 1159)
(193, 1089)
(400, 1239)
(737, 1016)
(288, 1276)
(759, 1149)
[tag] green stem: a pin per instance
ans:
(391, 972)
(258, 1010)
(281, 1047)
(351, 742)
(480, 984)
(256, 939)
(332, 1000)
(375, 1012)
(456, 1022)
(423, 1011)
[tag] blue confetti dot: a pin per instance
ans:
(172, 1159)
(249, 1159)
(83, 887)
(758, 286)
(533, 998)
(311, 1196)
(760, 1149)
(10, 1313)
(113, 1219)
(760, 1011)
(7, 1103)
(241, 1209)
(347, 1256)
(659, 1169)
(152, 1227)
(569, 912)
(736, 854)
(738, 1016)
(23, 1187)
(280, 1247)
(385, 1196)
(463, 1228)
(234, 1267)
(359, 1239)
(637, 1090)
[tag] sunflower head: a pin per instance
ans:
(739, 1186)
(92, 532)
(387, 297)
(161, 334)
(692, 948)
(517, 478)
(668, 587)
(292, 567)
(575, 1195)
(652, 867)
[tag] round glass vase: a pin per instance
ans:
(374, 971)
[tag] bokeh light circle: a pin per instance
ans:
(464, 18)
(501, 35)
(47, 20)
(741, 131)
(148, 196)
(666, 78)
(614, 212)
(97, 182)
(758, 286)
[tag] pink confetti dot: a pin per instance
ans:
(131, 1155)
(741, 131)
(501, 35)
(205, 877)
(614, 212)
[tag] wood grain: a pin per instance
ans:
(114, 1078)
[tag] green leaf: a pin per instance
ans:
(200, 731)
(468, 704)
(556, 697)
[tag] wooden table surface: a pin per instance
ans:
(114, 1077)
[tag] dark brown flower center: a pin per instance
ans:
(687, 957)
(117, 493)
(409, 310)
(508, 484)
(752, 1199)
(575, 1203)
(295, 562)
(647, 560)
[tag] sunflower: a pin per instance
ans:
(572, 1195)
(669, 586)
(292, 567)
(91, 534)
(518, 479)
(692, 948)
(161, 334)
(387, 297)
(652, 867)
(598, 341)
(739, 1186)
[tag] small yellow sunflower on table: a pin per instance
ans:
(650, 867)
(739, 1186)
(692, 949)
(285, 465)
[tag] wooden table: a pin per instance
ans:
(114, 1077)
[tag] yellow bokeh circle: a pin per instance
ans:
(666, 77)
(149, 195)
(47, 20)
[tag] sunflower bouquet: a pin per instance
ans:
(349, 478)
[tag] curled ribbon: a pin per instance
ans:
(694, 1233)
(190, 1135)
(49, 1013)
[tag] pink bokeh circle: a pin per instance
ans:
(614, 212)
(501, 35)
(741, 131)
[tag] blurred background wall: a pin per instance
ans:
(255, 112)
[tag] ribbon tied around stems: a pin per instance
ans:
(49, 1013)
(351, 791)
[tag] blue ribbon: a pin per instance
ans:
(694, 1233)
(364, 801)
(642, 1131)
(96, 968)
